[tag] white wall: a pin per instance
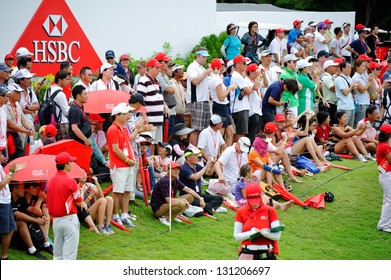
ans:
(126, 26)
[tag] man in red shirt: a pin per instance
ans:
(62, 197)
(122, 163)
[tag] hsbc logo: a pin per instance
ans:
(55, 25)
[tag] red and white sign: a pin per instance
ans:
(54, 35)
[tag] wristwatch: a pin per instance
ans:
(26, 107)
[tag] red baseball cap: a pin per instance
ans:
(296, 22)
(374, 65)
(270, 127)
(50, 130)
(365, 57)
(252, 67)
(338, 60)
(174, 164)
(280, 118)
(153, 63)
(360, 26)
(9, 56)
(64, 157)
(280, 30)
(216, 64)
(253, 193)
(96, 118)
(239, 58)
(162, 57)
(327, 21)
(124, 56)
(386, 128)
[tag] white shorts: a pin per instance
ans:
(123, 179)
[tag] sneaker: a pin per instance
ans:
(50, 241)
(38, 255)
(221, 210)
(361, 158)
(127, 222)
(194, 211)
(118, 220)
(103, 230)
(176, 219)
(385, 229)
(109, 228)
(132, 217)
(369, 157)
(164, 221)
(48, 249)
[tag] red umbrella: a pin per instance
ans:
(287, 195)
(41, 168)
(103, 101)
(316, 201)
(72, 147)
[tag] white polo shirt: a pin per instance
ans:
(202, 89)
(231, 163)
(254, 99)
(214, 81)
(236, 104)
(210, 141)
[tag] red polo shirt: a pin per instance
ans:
(259, 219)
(118, 135)
(59, 188)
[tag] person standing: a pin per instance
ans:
(85, 78)
(122, 163)
(372, 40)
(62, 197)
(231, 45)
(251, 41)
(256, 218)
(345, 41)
(276, 47)
(198, 89)
(383, 158)
(7, 221)
(79, 125)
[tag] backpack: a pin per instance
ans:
(47, 111)
(36, 235)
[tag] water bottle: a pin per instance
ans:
(31, 137)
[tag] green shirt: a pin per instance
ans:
(307, 94)
(286, 95)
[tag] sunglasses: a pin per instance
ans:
(293, 61)
(109, 57)
(199, 157)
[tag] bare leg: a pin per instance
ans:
(359, 145)
(91, 224)
(341, 146)
(237, 137)
(371, 148)
(97, 211)
(193, 139)
(288, 168)
(5, 244)
(229, 131)
(46, 226)
(116, 198)
(124, 202)
(269, 178)
(109, 208)
(279, 179)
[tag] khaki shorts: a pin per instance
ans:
(123, 179)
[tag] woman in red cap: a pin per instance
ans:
(383, 158)
(257, 227)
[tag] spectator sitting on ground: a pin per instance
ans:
(180, 142)
(369, 137)
(160, 200)
(161, 161)
(23, 217)
(99, 206)
(190, 175)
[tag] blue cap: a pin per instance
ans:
(4, 67)
(203, 53)
(110, 53)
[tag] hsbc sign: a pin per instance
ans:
(54, 36)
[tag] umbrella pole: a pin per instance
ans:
(170, 186)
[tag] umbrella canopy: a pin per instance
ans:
(103, 101)
(41, 168)
(316, 201)
(72, 147)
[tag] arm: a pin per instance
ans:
(239, 235)
(222, 95)
(19, 216)
(350, 49)
(12, 125)
(219, 172)
(199, 174)
(118, 152)
(80, 134)
(222, 50)
(273, 102)
(201, 77)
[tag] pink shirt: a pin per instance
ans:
(370, 133)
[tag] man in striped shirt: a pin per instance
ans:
(149, 87)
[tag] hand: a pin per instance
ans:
(325, 103)
(202, 203)
(265, 231)
(3, 159)
(131, 162)
(233, 87)
(107, 164)
(84, 206)
(222, 180)
(42, 195)
(87, 143)
(41, 221)
(17, 167)
(95, 179)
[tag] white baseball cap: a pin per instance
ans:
(121, 108)
(302, 63)
(106, 66)
(290, 57)
(244, 144)
(329, 63)
(24, 73)
(22, 51)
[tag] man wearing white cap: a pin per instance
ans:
(28, 100)
(227, 167)
(276, 47)
(198, 89)
(17, 125)
(105, 80)
(21, 52)
(329, 100)
(122, 162)
(210, 141)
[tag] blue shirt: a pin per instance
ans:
(275, 91)
(184, 177)
(120, 70)
(232, 45)
(359, 46)
(293, 34)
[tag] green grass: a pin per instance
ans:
(344, 230)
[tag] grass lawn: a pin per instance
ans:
(344, 230)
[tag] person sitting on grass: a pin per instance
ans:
(323, 129)
(246, 176)
(347, 139)
(161, 161)
(160, 200)
(369, 137)
(259, 159)
(99, 206)
(190, 175)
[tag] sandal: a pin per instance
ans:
(288, 186)
(308, 173)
